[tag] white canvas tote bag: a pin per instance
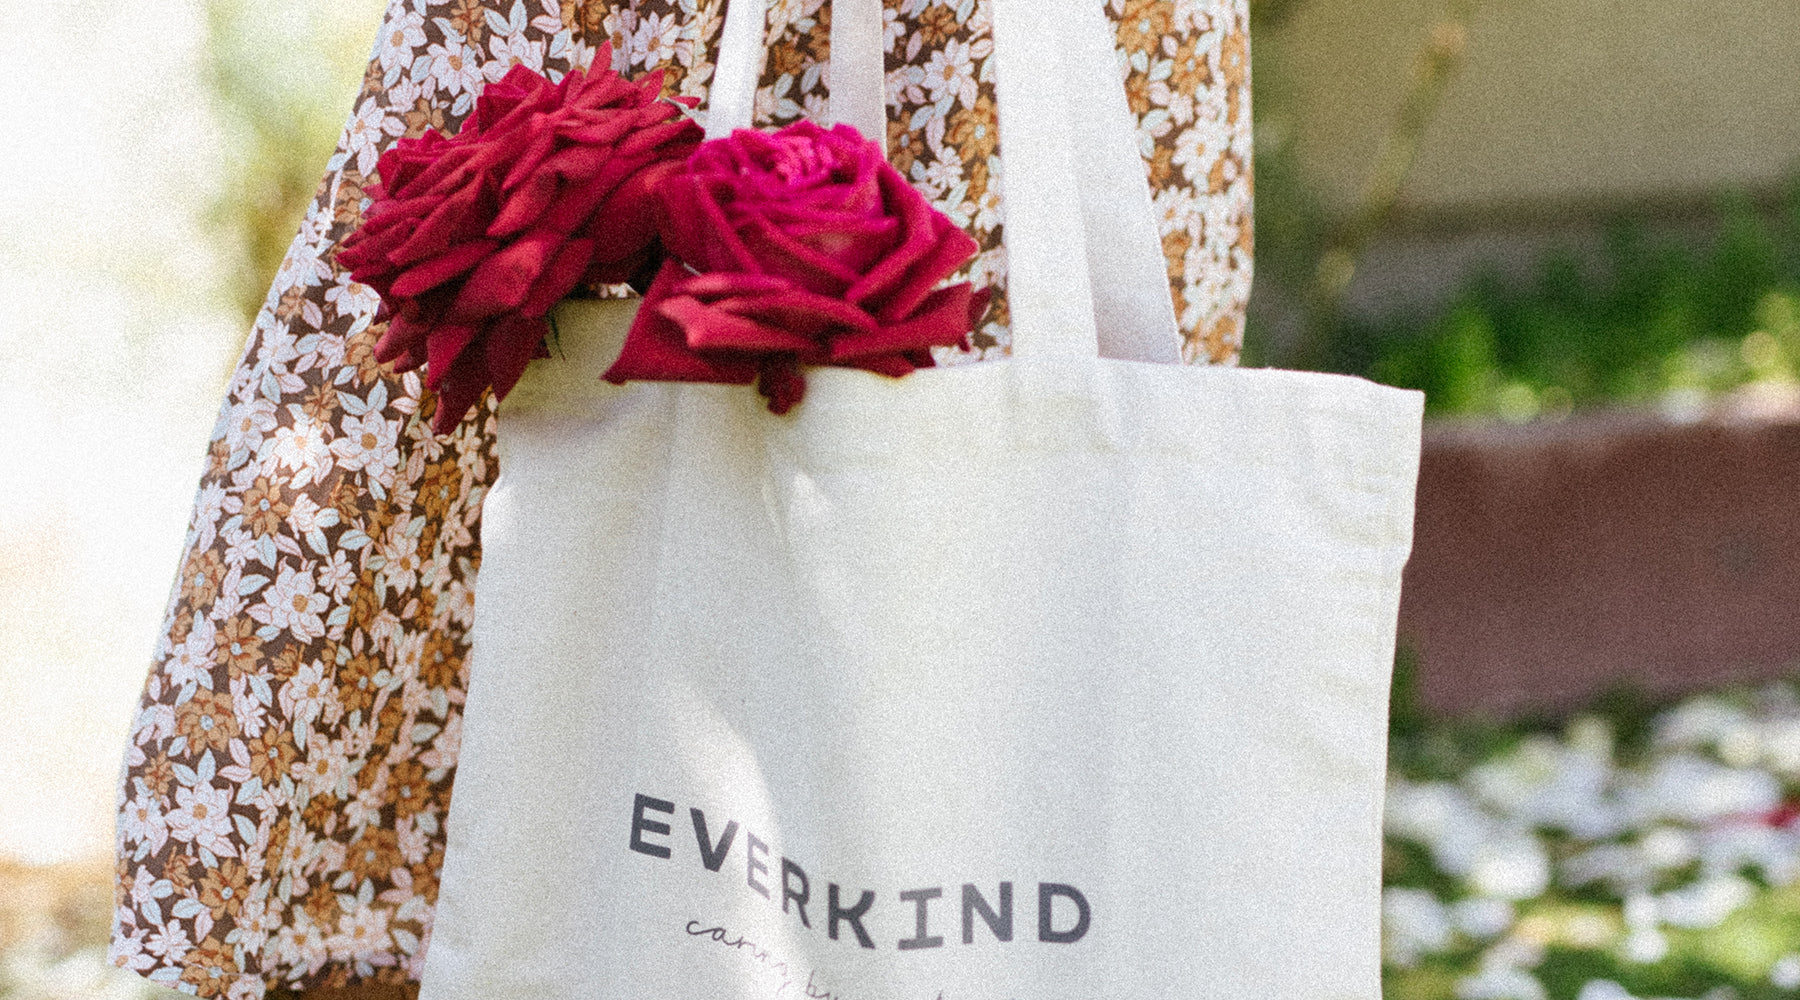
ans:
(1056, 678)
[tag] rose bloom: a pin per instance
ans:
(799, 247)
(470, 240)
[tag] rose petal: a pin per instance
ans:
(398, 341)
(595, 207)
(459, 217)
(371, 246)
(696, 229)
(854, 242)
(527, 149)
(656, 349)
(580, 164)
(805, 313)
(450, 160)
(871, 162)
(501, 282)
(578, 203)
(452, 263)
(637, 270)
(514, 97)
(713, 285)
(779, 253)
(628, 216)
(600, 68)
(525, 205)
(558, 279)
(461, 389)
(496, 101)
(510, 344)
(406, 159)
(978, 309)
(855, 246)
(952, 251)
(444, 345)
(891, 365)
(925, 255)
(716, 160)
(782, 383)
(706, 328)
(648, 138)
(650, 85)
(606, 90)
(604, 132)
(942, 321)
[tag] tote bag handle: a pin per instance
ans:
(1084, 258)
(858, 78)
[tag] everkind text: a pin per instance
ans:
(1057, 923)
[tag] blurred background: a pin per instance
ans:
(1575, 226)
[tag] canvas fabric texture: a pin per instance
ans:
(291, 763)
(859, 702)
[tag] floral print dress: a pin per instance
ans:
(290, 767)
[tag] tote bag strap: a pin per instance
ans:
(731, 99)
(1133, 309)
(1081, 239)
(858, 67)
(858, 78)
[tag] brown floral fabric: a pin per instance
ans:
(289, 769)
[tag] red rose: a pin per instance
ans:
(798, 247)
(470, 240)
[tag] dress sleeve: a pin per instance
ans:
(290, 765)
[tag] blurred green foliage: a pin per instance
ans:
(1676, 317)
(1649, 320)
(283, 75)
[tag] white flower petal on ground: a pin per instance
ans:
(1518, 950)
(1603, 989)
(1591, 736)
(1548, 784)
(1589, 930)
(1707, 817)
(1668, 847)
(1690, 789)
(1645, 946)
(1698, 722)
(1616, 865)
(1482, 919)
(1742, 746)
(1500, 983)
(1776, 852)
(1414, 924)
(1705, 903)
(1515, 867)
(1640, 910)
(1785, 974)
(1781, 746)
(1442, 817)
(86, 973)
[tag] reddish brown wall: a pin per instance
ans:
(1552, 563)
